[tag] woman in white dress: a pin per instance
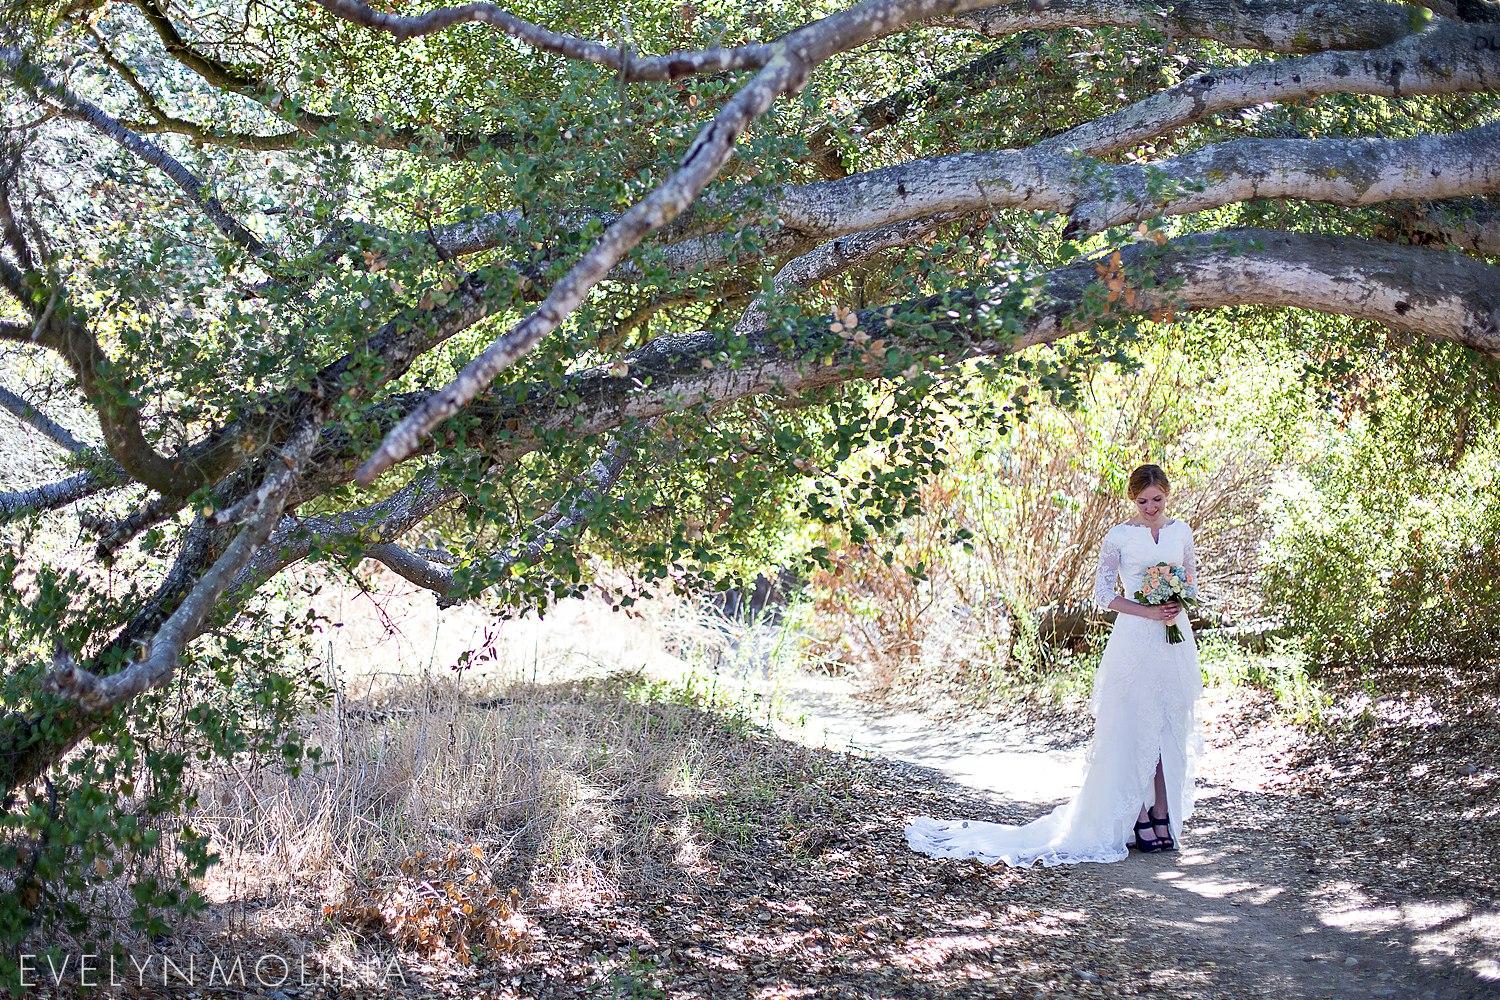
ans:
(1148, 735)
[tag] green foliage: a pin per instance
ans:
(104, 843)
(1283, 672)
(1383, 547)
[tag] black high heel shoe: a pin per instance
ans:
(1145, 845)
(1165, 843)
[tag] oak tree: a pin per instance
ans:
(450, 287)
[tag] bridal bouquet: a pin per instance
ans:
(1167, 582)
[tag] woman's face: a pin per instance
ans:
(1150, 502)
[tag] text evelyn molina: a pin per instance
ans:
(91, 970)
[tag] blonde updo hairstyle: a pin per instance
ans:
(1143, 478)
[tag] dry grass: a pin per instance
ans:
(448, 803)
(525, 769)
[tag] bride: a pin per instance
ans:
(1140, 766)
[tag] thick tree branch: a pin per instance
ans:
(34, 417)
(95, 694)
(165, 122)
(1336, 171)
(793, 58)
(119, 419)
(425, 573)
(1431, 293)
(1333, 171)
(1288, 26)
(53, 496)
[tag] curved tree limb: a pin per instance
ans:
(166, 122)
(95, 694)
(119, 420)
(1431, 293)
(224, 77)
(1100, 195)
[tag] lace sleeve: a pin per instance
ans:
(1109, 568)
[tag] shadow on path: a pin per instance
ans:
(1248, 898)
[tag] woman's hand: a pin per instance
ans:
(1169, 611)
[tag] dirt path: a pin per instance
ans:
(1298, 876)
(1249, 897)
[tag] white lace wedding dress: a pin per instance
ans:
(1144, 703)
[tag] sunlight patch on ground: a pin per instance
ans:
(1454, 930)
(936, 950)
(1238, 891)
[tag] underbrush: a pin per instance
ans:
(1282, 672)
(445, 813)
